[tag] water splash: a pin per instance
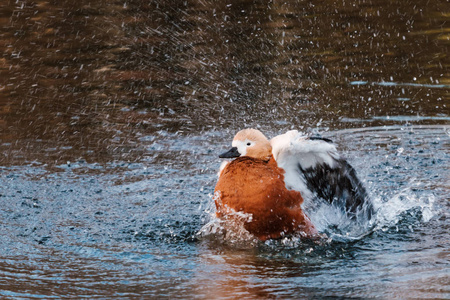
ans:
(331, 220)
(391, 211)
(229, 229)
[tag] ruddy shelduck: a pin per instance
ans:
(268, 180)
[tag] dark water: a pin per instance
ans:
(112, 114)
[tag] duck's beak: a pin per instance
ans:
(233, 152)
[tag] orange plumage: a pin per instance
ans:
(256, 186)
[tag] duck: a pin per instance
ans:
(268, 180)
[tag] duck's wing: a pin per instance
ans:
(314, 167)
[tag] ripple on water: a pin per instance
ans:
(85, 228)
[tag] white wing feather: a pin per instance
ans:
(293, 150)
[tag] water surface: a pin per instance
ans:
(112, 115)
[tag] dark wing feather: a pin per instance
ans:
(315, 138)
(338, 185)
(322, 171)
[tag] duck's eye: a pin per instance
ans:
(248, 144)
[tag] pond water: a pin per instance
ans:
(113, 113)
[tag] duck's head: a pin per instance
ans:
(249, 142)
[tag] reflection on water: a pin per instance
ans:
(88, 79)
(383, 83)
(112, 113)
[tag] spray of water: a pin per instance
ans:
(331, 220)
